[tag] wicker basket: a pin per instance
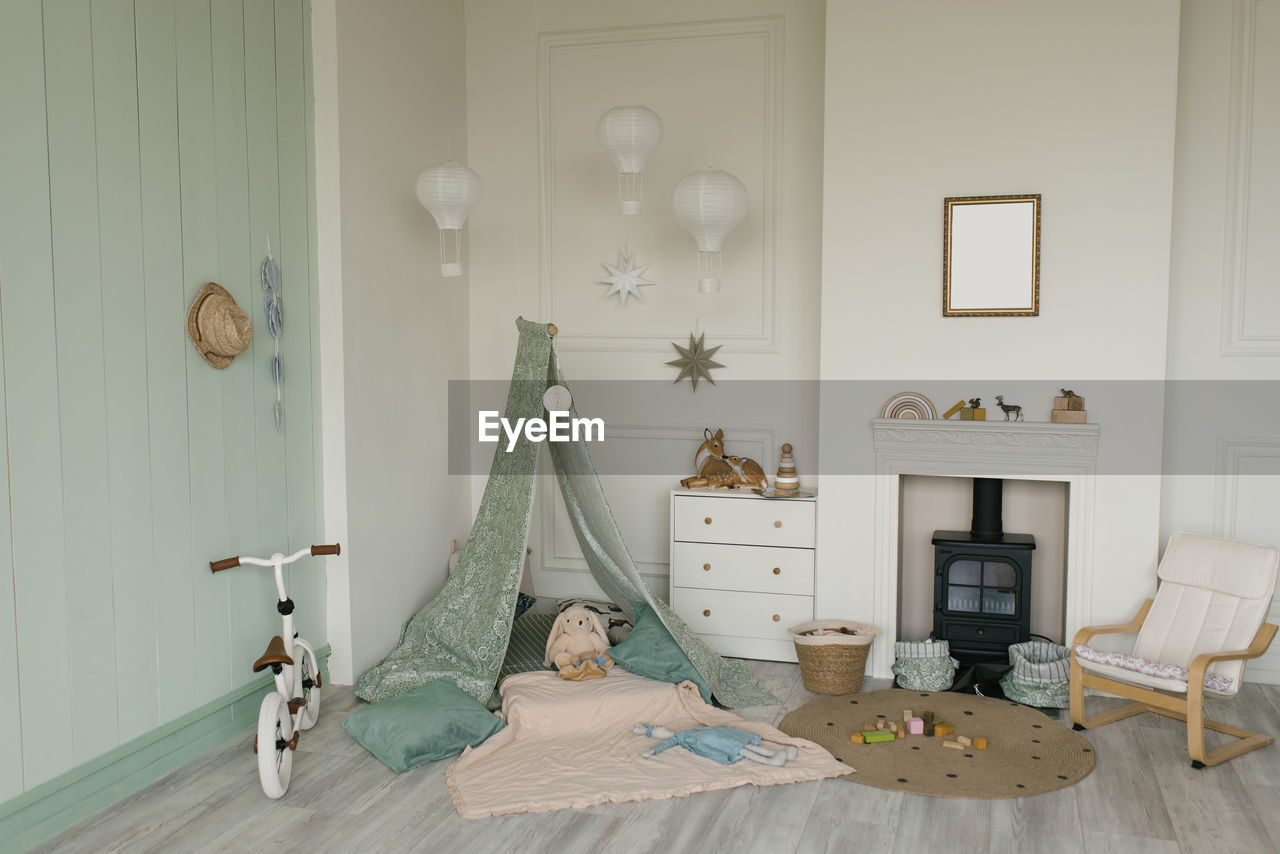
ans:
(833, 663)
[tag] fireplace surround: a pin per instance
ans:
(1045, 451)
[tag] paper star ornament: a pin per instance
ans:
(626, 278)
(695, 360)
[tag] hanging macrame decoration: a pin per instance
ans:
(626, 278)
(695, 360)
(271, 306)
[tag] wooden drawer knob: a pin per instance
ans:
(777, 570)
(707, 520)
(777, 617)
(706, 613)
(707, 567)
(777, 524)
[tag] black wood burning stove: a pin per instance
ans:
(982, 582)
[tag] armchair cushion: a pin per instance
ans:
(1243, 570)
(1166, 677)
(1213, 596)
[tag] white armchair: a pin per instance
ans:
(1208, 618)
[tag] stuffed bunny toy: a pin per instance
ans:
(577, 646)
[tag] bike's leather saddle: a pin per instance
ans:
(275, 654)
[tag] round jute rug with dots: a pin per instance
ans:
(1027, 752)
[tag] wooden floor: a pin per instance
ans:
(1142, 797)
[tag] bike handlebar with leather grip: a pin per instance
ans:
(335, 549)
(225, 563)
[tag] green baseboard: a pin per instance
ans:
(57, 804)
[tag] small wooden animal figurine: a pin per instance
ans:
(1009, 409)
(786, 481)
(1066, 392)
(718, 470)
(975, 402)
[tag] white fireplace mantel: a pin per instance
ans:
(1065, 453)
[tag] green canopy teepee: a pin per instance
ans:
(462, 633)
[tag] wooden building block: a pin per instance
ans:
(928, 729)
(980, 414)
(927, 717)
(915, 726)
(858, 738)
(877, 736)
(966, 414)
(942, 730)
(906, 715)
(1060, 403)
(980, 743)
(954, 745)
(953, 410)
(1071, 416)
(1072, 404)
(964, 739)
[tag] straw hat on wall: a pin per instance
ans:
(219, 329)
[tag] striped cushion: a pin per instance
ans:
(528, 644)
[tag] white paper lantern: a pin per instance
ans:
(449, 191)
(709, 204)
(630, 134)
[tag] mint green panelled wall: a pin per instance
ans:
(146, 147)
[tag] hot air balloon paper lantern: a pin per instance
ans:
(630, 134)
(449, 191)
(709, 204)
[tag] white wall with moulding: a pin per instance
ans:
(925, 100)
(398, 103)
(739, 87)
(1222, 446)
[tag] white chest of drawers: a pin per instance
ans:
(742, 569)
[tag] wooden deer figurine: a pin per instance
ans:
(717, 470)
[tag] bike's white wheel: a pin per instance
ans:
(275, 759)
(310, 673)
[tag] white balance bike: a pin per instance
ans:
(294, 705)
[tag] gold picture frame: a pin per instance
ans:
(991, 256)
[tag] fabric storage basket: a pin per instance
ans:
(924, 665)
(833, 654)
(1041, 675)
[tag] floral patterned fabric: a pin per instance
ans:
(462, 634)
(1038, 694)
(1212, 681)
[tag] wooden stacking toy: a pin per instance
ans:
(1068, 409)
(786, 481)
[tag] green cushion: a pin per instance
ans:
(431, 722)
(651, 651)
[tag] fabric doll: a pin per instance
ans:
(724, 744)
(577, 646)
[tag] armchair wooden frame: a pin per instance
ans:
(1188, 708)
